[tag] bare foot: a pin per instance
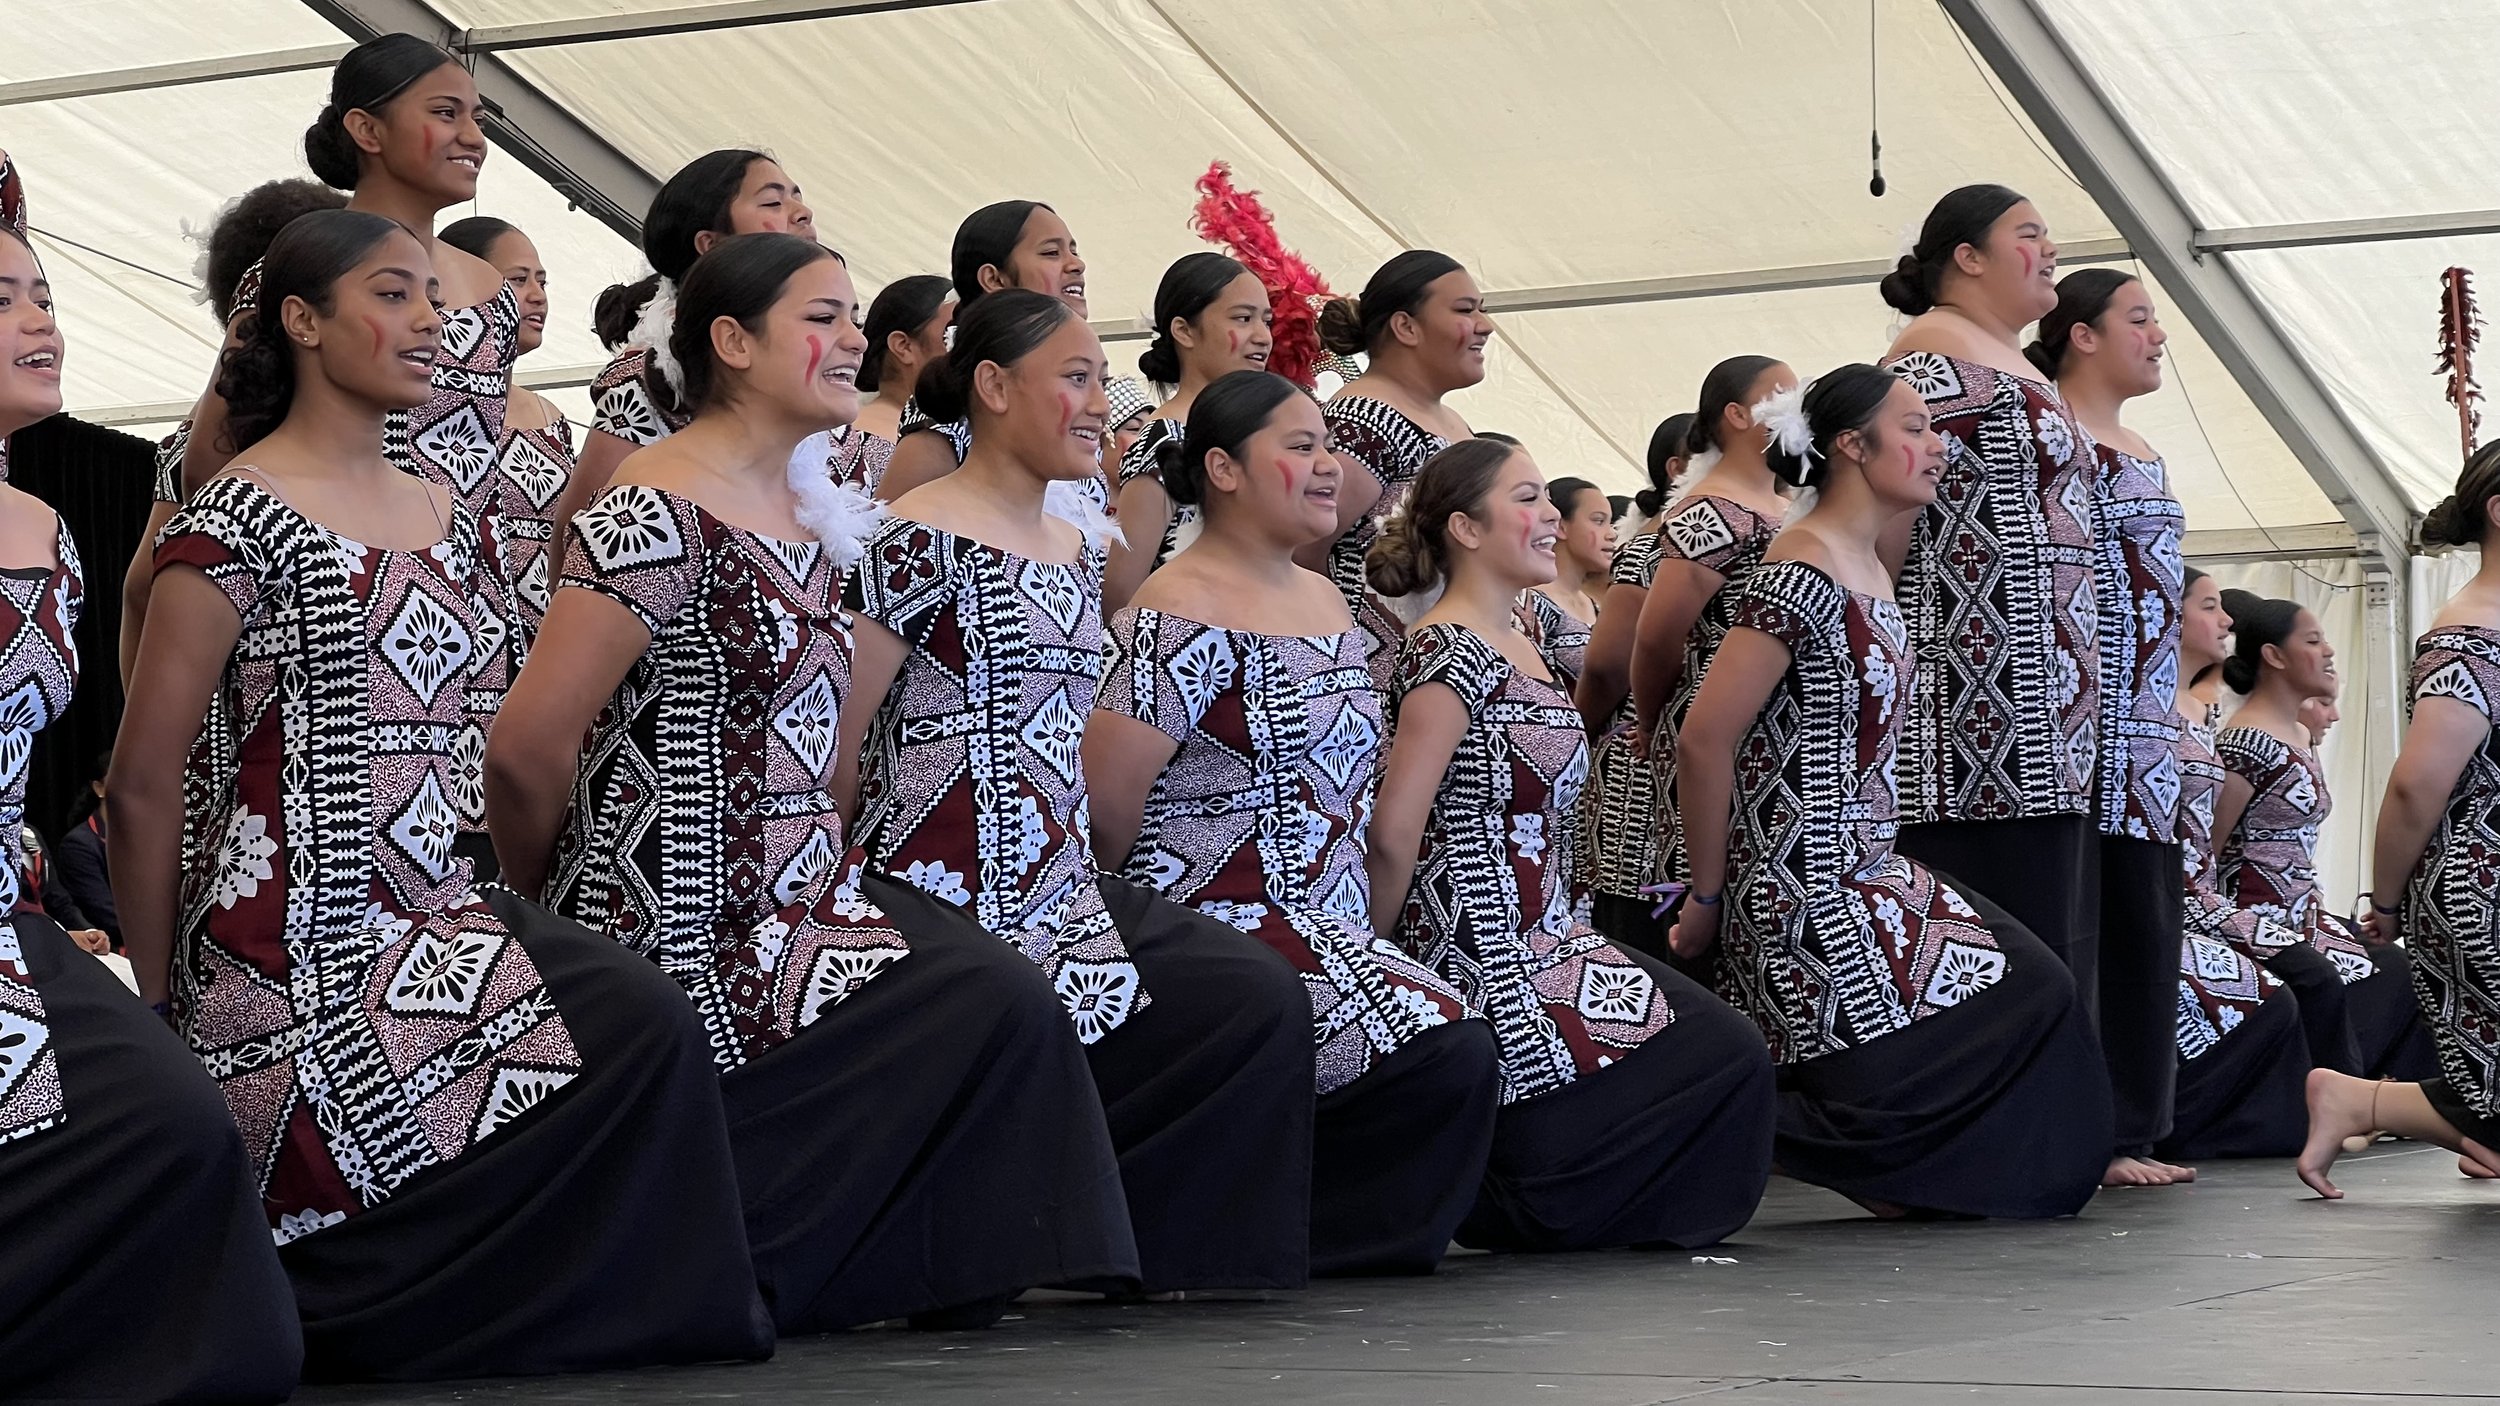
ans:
(2134, 1171)
(2477, 1170)
(2178, 1175)
(2340, 1106)
(2360, 1143)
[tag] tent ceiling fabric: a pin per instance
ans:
(1548, 143)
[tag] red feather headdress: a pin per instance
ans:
(12, 198)
(1234, 218)
(2460, 326)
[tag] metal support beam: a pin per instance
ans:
(2074, 115)
(171, 75)
(2315, 540)
(1735, 281)
(2319, 233)
(676, 19)
(540, 133)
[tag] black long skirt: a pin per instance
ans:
(1397, 1156)
(1626, 922)
(932, 1142)
(600, 1229)
(1996, 1107)
(2246, 1096)
(135, 1259)
(2371, 1028)
(1209, 1092)
(1669, 1145)
(2143, 916)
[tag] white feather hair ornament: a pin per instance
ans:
(836, 514)
(1068, 501)
(651, 333)
(1783, 413)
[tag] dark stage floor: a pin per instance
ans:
(2242, 1288)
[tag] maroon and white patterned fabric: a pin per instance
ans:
(1618, 845)
(623, 405)
(1144, 460)
(1726, 539)
(1377, 437)
(971, 787)
(2211, 912)
(1490, 909)
(39, 610)
(2142, 577)
(861, 458)
(703, 832)
(2269, 864)
(1832, 938)
(532, 468)
(2452, 907)
(364, 1011)
(1259, 817)
(1559, 635)
(2002, 605)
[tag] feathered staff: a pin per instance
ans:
(2460, 327)
(12, 198)
(1234, 218)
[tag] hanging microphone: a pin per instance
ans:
(1875, 185)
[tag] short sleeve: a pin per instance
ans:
(1354, 438)
(2254, 756)
(621, 403)
(169, 452)
(1793, 603)
(1163, 671)
(2459, 665)
(639, 547)
(1637, 563)
(1712, 533)
(224, 532)
(1453, 655)
(1143, 458)
(905, 580)
(246, 293)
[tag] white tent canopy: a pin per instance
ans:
(1644, 186)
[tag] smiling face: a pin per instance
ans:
(1513, 531)
(1900, 452)
(2015, 268)
(428, 137)
(1588, 533)
(2127, 338)
(1448, 331)
(30, 342)
(1045, 260)
(1283, 484)
(517, 260)
(1233, 333)
(802, 358)
(2204, 627)
(1049, 409)
(2305, 659)
(768, 202)
(378, 340)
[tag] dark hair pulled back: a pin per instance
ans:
(1666, 444)
(695, 201)
(1964, 216)
(2256, 621)
(1412, 552)
(1729, 383)
(986, 239)
(1189, 286)
(243, 230)
(1348, 326)
(1565, 493)
(256, 377)
(1839, 401)
(2081, 299)
(476, 234)
(371, 74)
(1004, 327)
(1233, 407)
(2459, 518)
(741, 277)
(904, 306)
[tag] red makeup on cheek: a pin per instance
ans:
(1068, 406)
(1284, 472)
(815, 355)
(374, 325)
(1232, 342)
(2030, 264)
(1909, 461)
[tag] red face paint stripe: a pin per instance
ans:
(815, 356)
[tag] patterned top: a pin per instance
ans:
(1559, 635)
(971, 786)
(622, 404)
(1832, 937)
(1490, 909)
(1259, 818)
(1141, 461)
(1727, 539)
(169, 452)
(2219, 986)
(2142, 576)
(2210, 911)
(1619, 811)
(532, 469)
(703, 831)
(1375, 436)
(861, 458)
(364, 1011)
(2000, 595)
(2269, 864)
(39, 610)
(2452, 907)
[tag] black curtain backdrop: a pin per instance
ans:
(101, 482)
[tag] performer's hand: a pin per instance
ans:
(1636, 742)
(2378, 929)
(1695, 929)
(91, 940)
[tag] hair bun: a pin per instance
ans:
(1400, 561)
(2039, 355)
(1649, 502)
(329, 151)
(1160, 362)
(2450, 525)
(2239, 675)
(1341, 326)
(1905, 288)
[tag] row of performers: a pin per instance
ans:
(788, 770)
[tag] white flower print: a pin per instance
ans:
(1417, 1007)
(1888, 915)
(1963, 972)
(2057, 439)
(1160, 869)
(1527, 834)
(767, 943)
(848, 900)
(1030, 836)
(785, 631)
(1098, 995)
(1245, 916)
(384, 926)
(1880, 681)
(2231, 1017)
(295, 1225)
(938, 881)
(243, 858)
